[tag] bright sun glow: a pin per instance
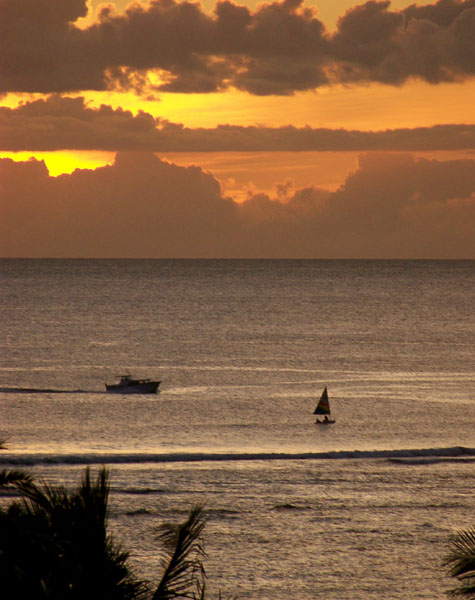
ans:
(65, 161)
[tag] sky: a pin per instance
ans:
(288, 129)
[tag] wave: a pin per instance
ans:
(429, 455)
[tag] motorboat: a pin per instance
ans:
(128, 385)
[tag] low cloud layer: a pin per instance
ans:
(279, 48)
(58, 123)
(392, 206)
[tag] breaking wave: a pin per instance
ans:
(414, 456)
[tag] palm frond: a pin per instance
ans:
(94, 499)
(56, 541)
(461, 562)
(14, 478)
(45, 499)
(184, 574)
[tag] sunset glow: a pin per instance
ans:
(253, 94)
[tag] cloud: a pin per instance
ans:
(140, 206)
(58, 123)
(392, 206)
(278, 48)
(435, 43)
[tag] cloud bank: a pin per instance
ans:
(279, 48)
(58, 123)
(392, 206)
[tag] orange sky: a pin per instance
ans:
(274, 101)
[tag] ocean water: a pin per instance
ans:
(361, 509)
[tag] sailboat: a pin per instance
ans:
(323, 408)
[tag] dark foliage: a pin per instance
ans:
(461, 562)
(183, 575)
(9, 478)
(54, 544)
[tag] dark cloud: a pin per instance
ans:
(435, 43)
(58, 123)
(279, 48)
(392, 206)
(42, 51)
(67, 123)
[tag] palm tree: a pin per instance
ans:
(461, 562)
(54, 544)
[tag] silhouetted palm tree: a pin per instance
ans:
(54, 544)
(461, 562)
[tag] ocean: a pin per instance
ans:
(362, 509)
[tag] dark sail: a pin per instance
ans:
(323, 407)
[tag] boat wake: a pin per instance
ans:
(21, 390)
(404, 456)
